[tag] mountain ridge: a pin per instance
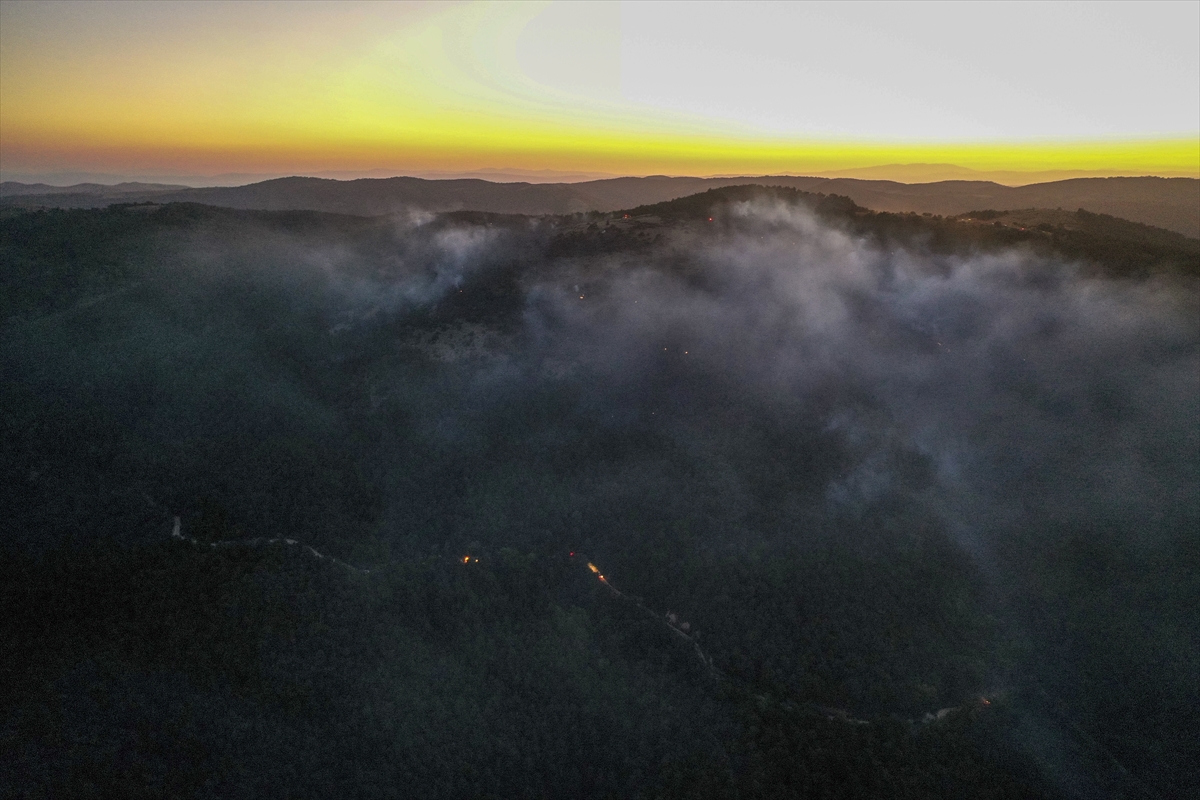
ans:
(1170, 203)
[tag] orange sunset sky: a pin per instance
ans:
(206, 92)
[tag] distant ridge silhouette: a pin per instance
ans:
(1170, 203)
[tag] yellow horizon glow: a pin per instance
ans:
(409, 88)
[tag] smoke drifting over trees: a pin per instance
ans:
(880, 464)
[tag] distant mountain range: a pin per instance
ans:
(1170, 203)
(119, 190)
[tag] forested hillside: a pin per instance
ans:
(886, 505)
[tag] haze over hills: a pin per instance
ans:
(928, 173)
(1170, 203)
(900, 173)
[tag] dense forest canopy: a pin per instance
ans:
(880, 466)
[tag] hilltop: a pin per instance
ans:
(1114, 246)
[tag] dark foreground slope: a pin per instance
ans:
(885, 465)
(1170, 203)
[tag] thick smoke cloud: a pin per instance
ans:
(1003, 390)
(1044, 419)
(1032, 392)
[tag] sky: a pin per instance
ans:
(206, 92)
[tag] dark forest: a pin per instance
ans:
(886, 505)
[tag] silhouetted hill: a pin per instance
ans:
(1170, 203)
